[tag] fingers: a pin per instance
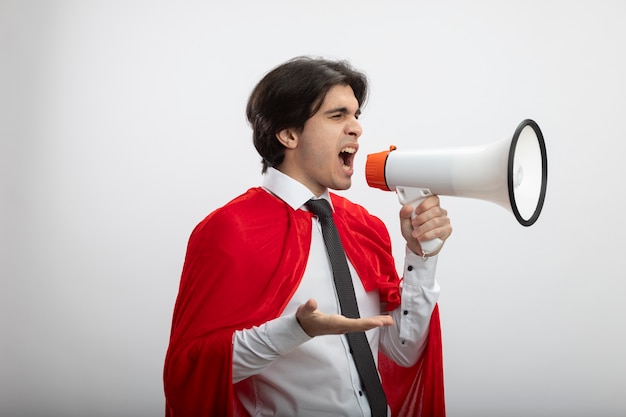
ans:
(428, 207)
(316, 323)
(430, 221)
(372, 322)
(432, 224)
(338, 324)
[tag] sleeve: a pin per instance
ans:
(405, 341)
(257, 348)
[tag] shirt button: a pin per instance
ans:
(410, 267)
(360, 393)
(405, 312)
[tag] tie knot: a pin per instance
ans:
(321, 207)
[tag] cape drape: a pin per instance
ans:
(244, 261)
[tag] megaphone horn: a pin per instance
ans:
(512, 173)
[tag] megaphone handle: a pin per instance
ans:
(414, 196)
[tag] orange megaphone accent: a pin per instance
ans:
(375, 169)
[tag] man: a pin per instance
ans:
(258, 326)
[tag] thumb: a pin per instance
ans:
(304, 313)
(405, 220)
(309, 307)
(406, 211)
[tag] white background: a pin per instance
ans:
(122, 125)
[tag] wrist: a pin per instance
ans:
(417, 249)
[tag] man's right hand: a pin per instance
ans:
(316, 323)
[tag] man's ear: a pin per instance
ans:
(288, 137)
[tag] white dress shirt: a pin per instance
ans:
(281, 371)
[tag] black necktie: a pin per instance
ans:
(359, 346)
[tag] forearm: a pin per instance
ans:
(255, 349)
(405, 340)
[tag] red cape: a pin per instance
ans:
(244, 261)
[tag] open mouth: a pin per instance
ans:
(347, 156)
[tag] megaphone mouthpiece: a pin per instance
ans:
(375, 169)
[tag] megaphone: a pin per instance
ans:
(512, 173)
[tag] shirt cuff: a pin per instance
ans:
(418, 271)
(285, 334)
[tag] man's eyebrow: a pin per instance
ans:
(343, 110)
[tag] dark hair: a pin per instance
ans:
(290, 94)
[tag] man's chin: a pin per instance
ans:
(341, 187)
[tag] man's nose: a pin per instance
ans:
(354, 128)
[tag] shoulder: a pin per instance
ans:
(358, 223)
(240, 207)
(353, 213)
(240, 221)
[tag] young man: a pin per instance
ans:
(258, 327)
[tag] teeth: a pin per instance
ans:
(347, 150)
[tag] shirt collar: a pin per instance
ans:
(291, 191)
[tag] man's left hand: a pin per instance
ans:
(430, 222)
